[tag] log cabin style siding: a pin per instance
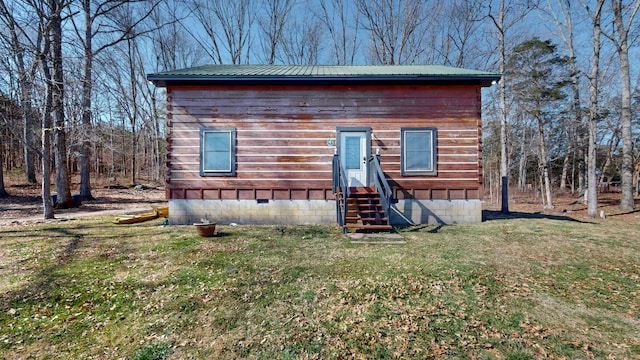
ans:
(286, 136)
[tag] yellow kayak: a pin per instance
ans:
(146, 216)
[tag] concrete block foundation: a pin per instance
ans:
(299, 212)
(406, 212)
(303, 212)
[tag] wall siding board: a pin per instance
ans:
(282, 147)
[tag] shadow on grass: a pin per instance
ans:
(625, 213)
(46, 278)
(493, 215)
(430, 228)
(221, 234)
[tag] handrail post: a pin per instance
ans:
(336, 187)
(341, 191)
(335, 174)
(381, 183)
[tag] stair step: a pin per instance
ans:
(367, 213)
(365, 219)
(363, 190)
(364, 210)
(367, 205)
(374, 221)
(363, 195)
(364, 200)
(367, 227)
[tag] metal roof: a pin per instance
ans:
(212, 74)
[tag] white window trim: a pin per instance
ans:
(232, 152)
(434, 156)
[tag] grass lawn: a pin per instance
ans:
(503, 289)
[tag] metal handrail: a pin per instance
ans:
(341, 189)
(381, 183)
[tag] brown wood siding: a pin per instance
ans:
(282, 133)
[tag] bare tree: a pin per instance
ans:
(43, 46)
(499, 22)
(227, 28)
(25, 73)
(47, 205)
(3, 191)
(101, 12)
(173, 47)
(624, 16)
(125, 77)
(34, 34)
(273, 20)
(301, 43)
(236, 19)
(5, 106)
(396, 28)
(594, 74)
(563, 19)
(209, 43)
(343, 25)
(526, 145)
(462, 24)
(502, 25)
(63, 181)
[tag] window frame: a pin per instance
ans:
(434, 155)
(232, 152)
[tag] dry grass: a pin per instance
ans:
(504, 289)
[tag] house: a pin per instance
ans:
(359, 145)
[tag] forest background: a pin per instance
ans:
(75, 103)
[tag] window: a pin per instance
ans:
(353, 158)
(217, 152)
(418, 151)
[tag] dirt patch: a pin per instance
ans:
(24, 205)
(566, 205)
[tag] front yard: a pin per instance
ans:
(504, 289)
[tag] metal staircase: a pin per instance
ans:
(364, 209)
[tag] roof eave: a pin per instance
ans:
(164, 81)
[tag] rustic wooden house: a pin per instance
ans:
(364, 146)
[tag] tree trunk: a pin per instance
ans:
(544, 167)
(582, 159)
(627, 201)
(3, 191)
(503, 113)
(613, 146)
(87, 89)
(134, 151)
(522, 166)
(29, 155)
(592, 189)
(565, 167)
(47, 204)
(85, 149)
(62, 174)
(157, 158)
(26, 86)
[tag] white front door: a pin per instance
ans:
(353, 156)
